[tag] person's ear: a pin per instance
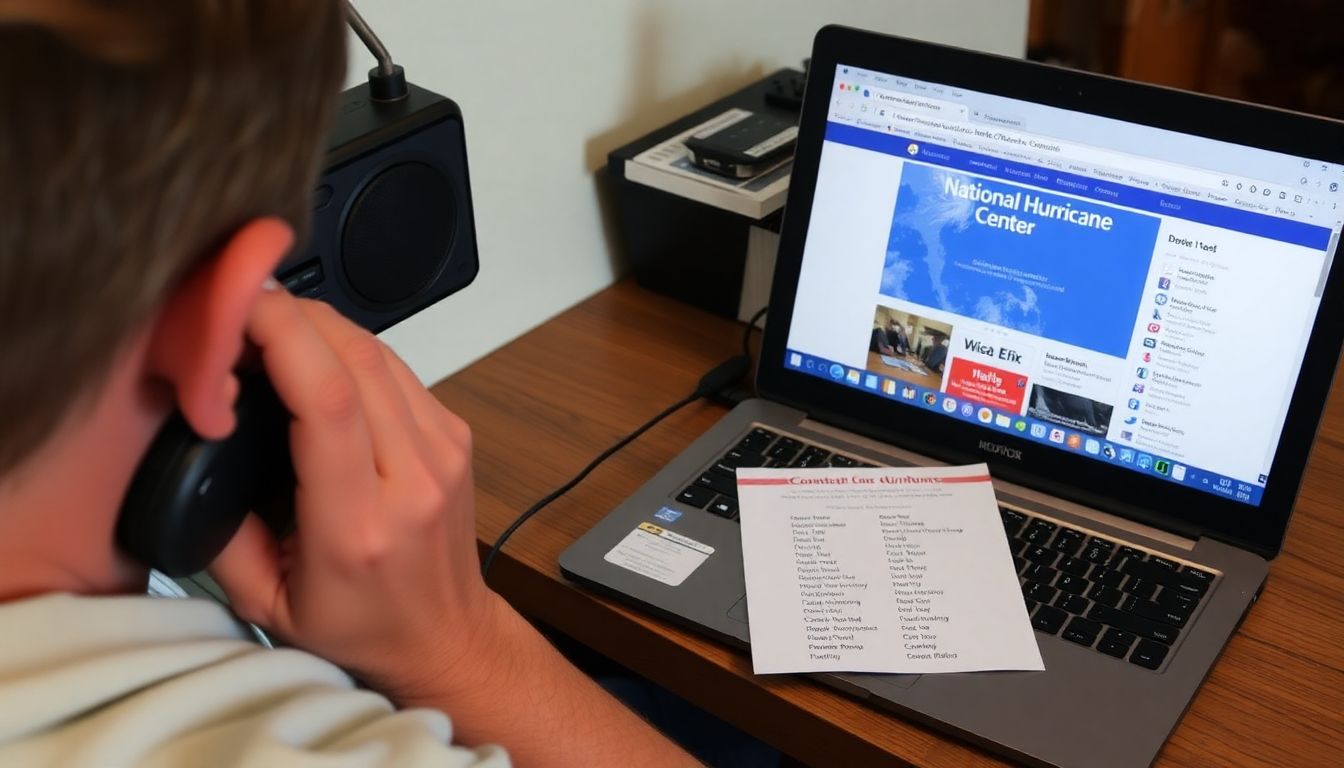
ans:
(199, 334)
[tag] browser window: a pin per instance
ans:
(1103, 287)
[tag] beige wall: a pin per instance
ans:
(548, 88)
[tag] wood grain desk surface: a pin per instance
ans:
(542, 406)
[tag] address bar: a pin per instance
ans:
(896, 101)
(1063, 150)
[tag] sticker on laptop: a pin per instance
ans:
(660, 554)
(667, 515)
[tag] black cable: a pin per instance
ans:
(737, 395)
(562, 490)
(387, 81)
(720, 377)
(746, 334)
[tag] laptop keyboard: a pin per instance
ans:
(1090, 589)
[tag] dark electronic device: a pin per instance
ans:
(786, 89)
(745, 147)
(393, 232)
(190, 495)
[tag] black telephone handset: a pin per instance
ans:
(190, 495)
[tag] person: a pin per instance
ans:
(936, 356)
(896, 337)
(158, 161)
(880, 342)
(890, 340)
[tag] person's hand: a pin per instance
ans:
(382, 575)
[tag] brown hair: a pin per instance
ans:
(137, 136)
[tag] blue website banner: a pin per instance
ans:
(1038, 263)
(1225, 217)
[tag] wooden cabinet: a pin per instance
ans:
(1286, 53)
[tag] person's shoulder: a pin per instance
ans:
(176, 681)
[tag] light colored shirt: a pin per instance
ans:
(120, 681)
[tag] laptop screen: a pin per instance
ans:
(1128, 294)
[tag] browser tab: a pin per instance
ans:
(905, 102)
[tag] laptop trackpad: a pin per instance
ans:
(739, 613)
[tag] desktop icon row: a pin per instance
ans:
(988, 416)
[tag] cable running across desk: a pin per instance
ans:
(720, 377)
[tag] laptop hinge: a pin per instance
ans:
(1020, 492)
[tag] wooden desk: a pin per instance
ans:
(544, 405)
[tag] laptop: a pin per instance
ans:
(1120, 297)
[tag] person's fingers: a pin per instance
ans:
(397, 445)
(329, 439)
(445, 430)
(251, 574)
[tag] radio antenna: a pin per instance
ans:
(387, 81)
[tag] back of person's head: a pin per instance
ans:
(138, 136)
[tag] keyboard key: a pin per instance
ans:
(1072, 603)
(1120, 636)
(1163, 562)
(1108, 596)
(724, 507)
(1074, 566)
(1149, 654)
(1039, 532)
(728, 470)
(1018, 564)
(756, 440)
(1048, 619)
(1142, 588)
(1081, 631)
(1174, 600)
(1097, 541)
(1116, 642)
(1072, 584)
(812, 456)
(1031, 605)
(1040, 592)
(1040, 572)
(785, 449)
(1097, 555)
(1068, 541)
(1039, 554)
(1163, 633)
(696, 496)
(1107, 577)
(1012, 521)
(740, 458)
(1195, 590)
(1154, 612)
(1195, 574)
(1127, 552)
(839, 460)
(1111, 648)
(717, 483)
